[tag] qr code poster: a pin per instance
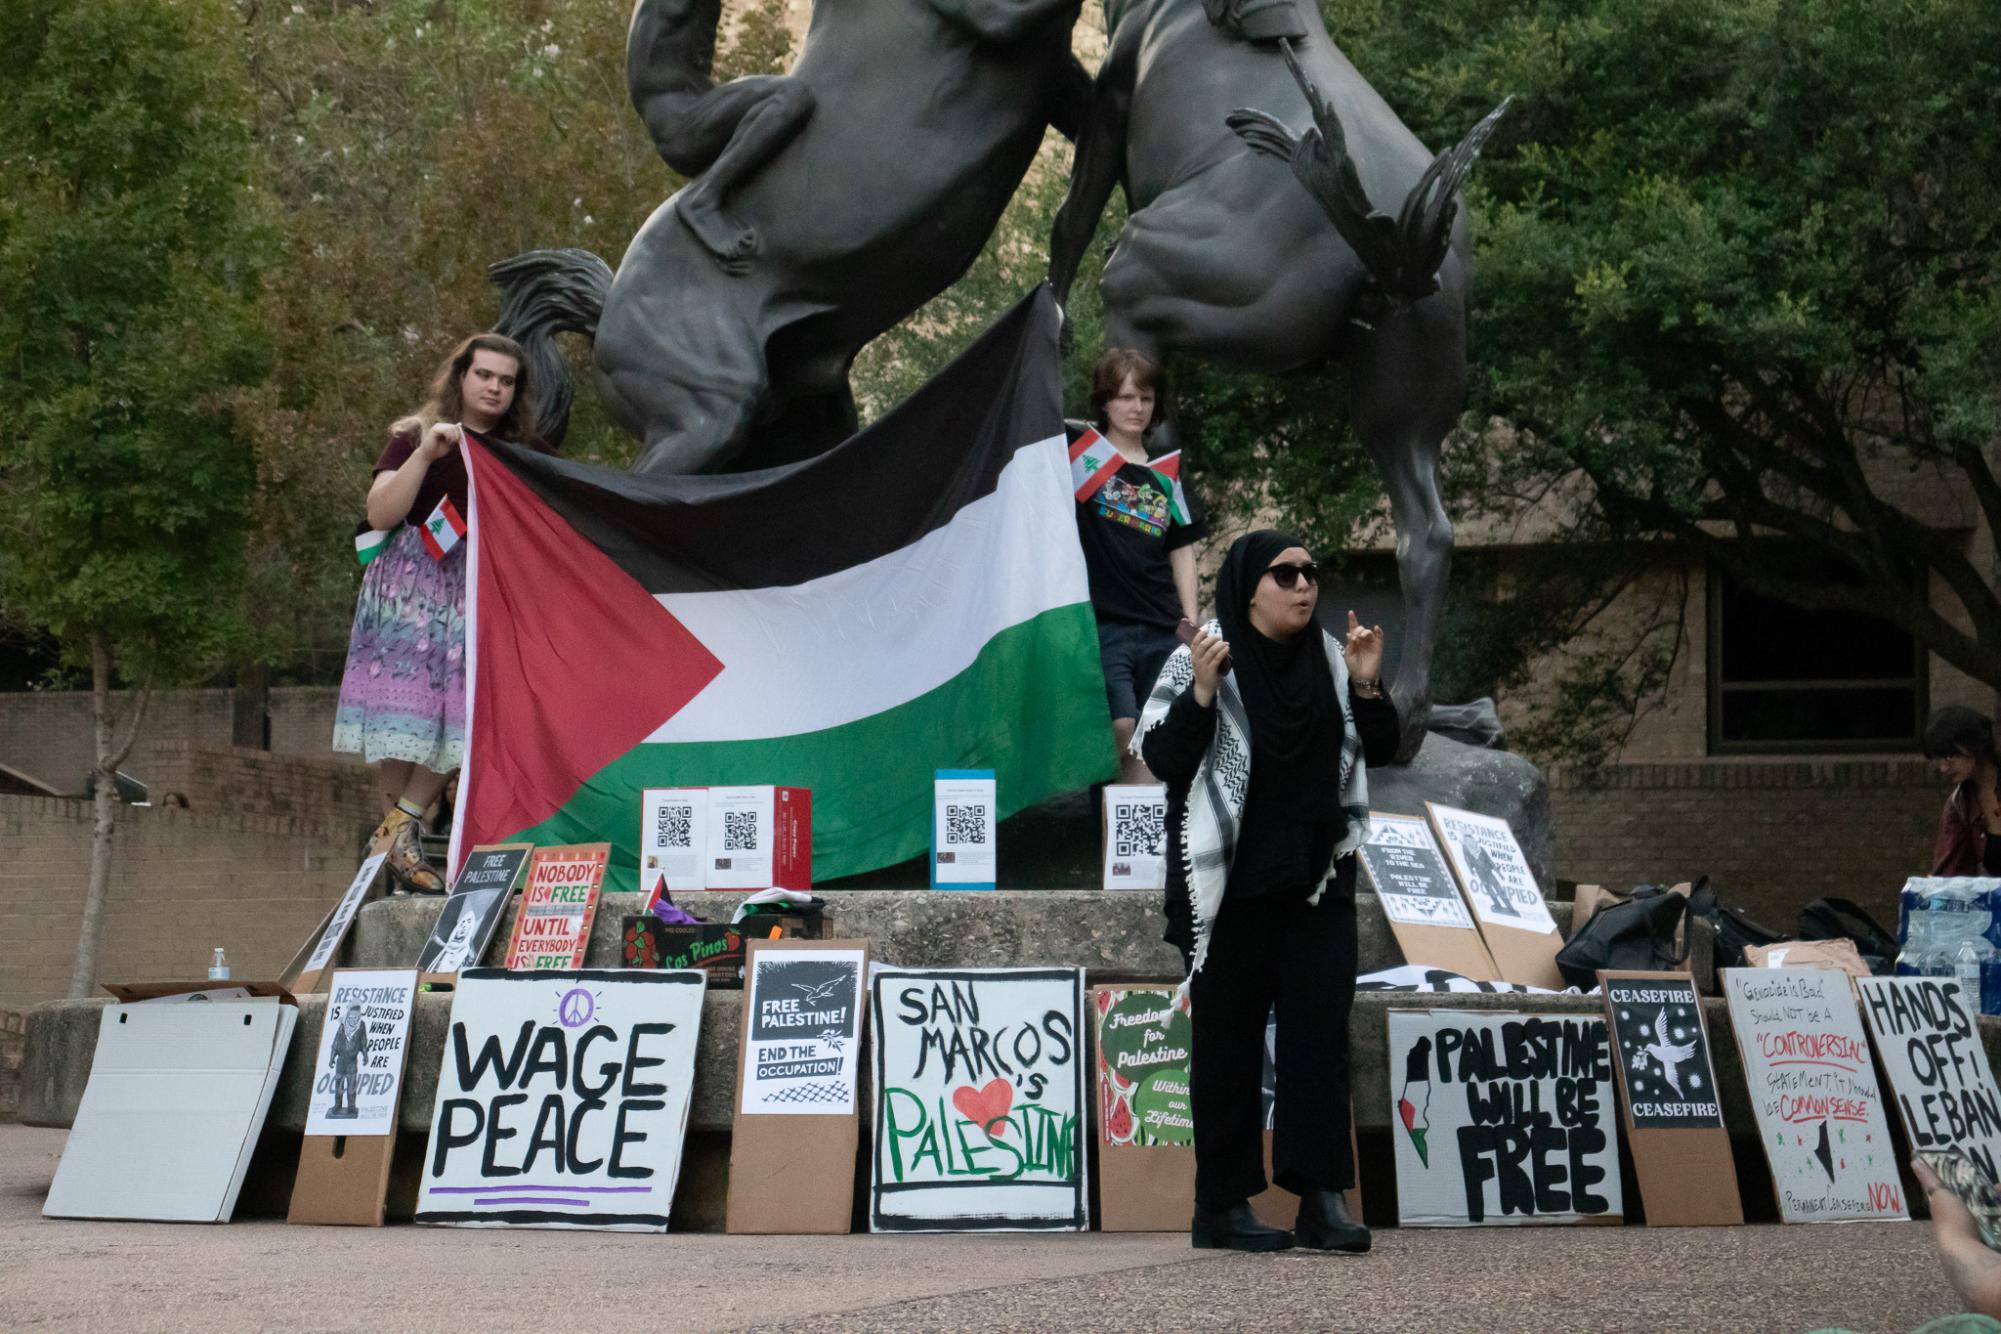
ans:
(962, 829)
(1136, 836)
(803, 1053)
(759, 838)
(1490, 865)
(673, 840)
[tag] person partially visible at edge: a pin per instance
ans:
(1138, 553)
(1973, 1270)
(402, 695)
(1263, 729)
(1961, 743)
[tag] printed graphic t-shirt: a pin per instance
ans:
(1127, 529)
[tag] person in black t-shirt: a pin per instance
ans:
(1138, 528)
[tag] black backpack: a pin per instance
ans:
(1637, 934)
(1734, 929)
(1839, 919)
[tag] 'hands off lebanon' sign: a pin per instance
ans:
(562, 1099)
(979, 1097)
(1503, 1118)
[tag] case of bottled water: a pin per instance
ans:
(1946, 927)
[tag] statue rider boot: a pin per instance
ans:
(1325, 1225)
(1235, 1229)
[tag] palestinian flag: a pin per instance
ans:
(912, 600)
(1167, 471)
(369, 542)
(1414, 1103)
(1092, 463)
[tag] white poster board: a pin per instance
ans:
(1939, 1077)
(673, 838)
(979, 1100)
(803, 1054)
(1503, 1118)
(563, 1099)
(176, 1099)
(1490, 865)
(1813, 1089)
(963, 805)
(335, 929)
(359, 1065)
(1135, 836)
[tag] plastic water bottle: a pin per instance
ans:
(218, 967)
(1917, 940)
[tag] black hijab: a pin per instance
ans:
(1287, 687)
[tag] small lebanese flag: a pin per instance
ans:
(443, 529)
(1168, 469)
(1092, 463)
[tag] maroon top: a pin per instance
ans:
(445, 477)
(1961, 845)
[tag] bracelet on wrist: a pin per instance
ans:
(1367, 687)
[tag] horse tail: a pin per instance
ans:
(544, 293)
(1424, 226)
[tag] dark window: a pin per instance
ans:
(1783, 677)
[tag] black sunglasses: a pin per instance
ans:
(1286, 576)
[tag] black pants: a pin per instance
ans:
(1301, 959)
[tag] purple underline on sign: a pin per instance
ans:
(567, 1190)
(534, 1199)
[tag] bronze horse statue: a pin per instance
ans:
(1226, 259)
(825, 206)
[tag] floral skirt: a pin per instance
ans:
(403, 695)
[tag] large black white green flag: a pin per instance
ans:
(913, 600)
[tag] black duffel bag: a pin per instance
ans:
(1840, 919)
(1637, 934)
(1735, 930)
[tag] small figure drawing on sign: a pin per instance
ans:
(350, 1044)
(1484, 879)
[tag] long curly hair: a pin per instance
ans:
(447, 403)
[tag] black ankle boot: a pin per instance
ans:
(1325, 1225)
(1235, 1229)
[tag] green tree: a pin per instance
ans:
(132, 235)
(1738, 277)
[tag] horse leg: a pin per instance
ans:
(688, 389)
(1409, 377)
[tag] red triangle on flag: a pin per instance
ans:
(575, 663)
(1167, 465)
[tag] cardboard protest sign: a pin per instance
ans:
(562, 1099)
(1135, 836)
(759, 838)
(558, 904)
(1813, 1089)
(304, 976)
(472, 911)
(1498, 884)
(1503, 1118)
(1667, 1085)
(176, 1100)
(979, 1100)
(357, 1089)
(1402, 863)
(1146, 1118)
(962, 829)
(673, 837)
(1940, 1082)
(798, 1074)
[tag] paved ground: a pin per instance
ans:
(131, 1277)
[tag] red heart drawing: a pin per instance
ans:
(986, 1108)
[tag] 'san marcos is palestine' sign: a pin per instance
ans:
(979, 1098)
(562, 1099)
(1503, 1118)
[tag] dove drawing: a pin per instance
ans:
(1670, 1055)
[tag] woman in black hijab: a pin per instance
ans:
(1263, 728)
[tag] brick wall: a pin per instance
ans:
(1772, 834)
(13, 1047)
(47, 732)
(182, 882)
(328, 793)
